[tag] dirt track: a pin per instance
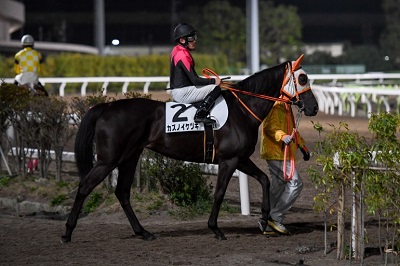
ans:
(107, 239)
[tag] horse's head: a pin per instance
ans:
(296, 86)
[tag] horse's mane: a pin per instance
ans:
(268, 78)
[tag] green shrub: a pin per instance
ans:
(7, 67)
(184, 183)
(83, 65)
(93, 202)
(57, 200)
(62, 184)
(369, 168)
(4, 181)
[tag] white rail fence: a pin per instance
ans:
(366, 93)
(339, 94)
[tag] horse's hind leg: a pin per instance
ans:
(95, 177)
(122, 191)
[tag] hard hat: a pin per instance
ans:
(27, 40)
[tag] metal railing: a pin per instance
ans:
(355, 101)
(337, 94)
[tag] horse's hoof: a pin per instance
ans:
(221, 237)
(148, 236)
(65, 239)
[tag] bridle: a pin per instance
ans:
(289, 90)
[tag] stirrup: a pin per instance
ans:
(205, 120)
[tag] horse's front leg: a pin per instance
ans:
(249, 168)
(225, 171)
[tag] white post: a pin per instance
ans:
(252, 33)
(353, 217)
(99, 23)
(244, 194)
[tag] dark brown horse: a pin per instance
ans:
(122, 129)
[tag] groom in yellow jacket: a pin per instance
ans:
(278, 141)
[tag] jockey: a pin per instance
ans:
(276, 135)
(186, 85)
(27, 62)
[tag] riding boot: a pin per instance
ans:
(42, 90)
(202, 114)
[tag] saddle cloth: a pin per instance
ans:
(179, 116)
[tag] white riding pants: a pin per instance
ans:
(27, 77)
(283, 193)
(191, 94)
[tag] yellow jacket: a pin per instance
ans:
(274, 127)
(27, 60)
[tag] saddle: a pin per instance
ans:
(179, 118)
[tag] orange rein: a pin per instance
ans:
(288, 149)
(229, 86)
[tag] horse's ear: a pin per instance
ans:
(296, 64)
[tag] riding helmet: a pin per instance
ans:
(27, 40)
(183, 30)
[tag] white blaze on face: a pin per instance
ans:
(289, 87)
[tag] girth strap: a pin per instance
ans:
(209, 148)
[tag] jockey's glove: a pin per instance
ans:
(286, 139)
(306, 153)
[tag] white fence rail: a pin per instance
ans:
(359, 100)
(374, 92)
(357, 94)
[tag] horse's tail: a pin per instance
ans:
(84, 140)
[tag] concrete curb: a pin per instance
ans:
(30, 207)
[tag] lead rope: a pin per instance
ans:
(289, 116)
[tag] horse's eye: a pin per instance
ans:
(303, 79)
